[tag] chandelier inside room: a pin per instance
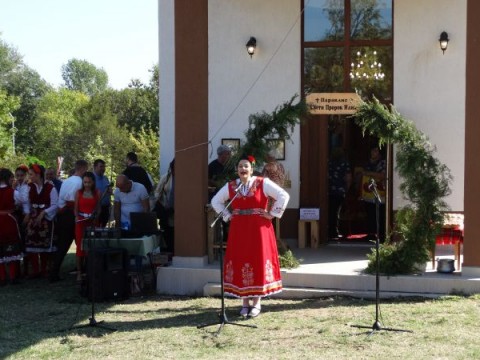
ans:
(366, 67)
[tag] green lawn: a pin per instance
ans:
(35, 314)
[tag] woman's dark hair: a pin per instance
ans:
(5, 176)
(90, 175)
(249, 158)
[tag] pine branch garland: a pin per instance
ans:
(426, 182)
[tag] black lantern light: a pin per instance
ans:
(443, 41)
(251, 45)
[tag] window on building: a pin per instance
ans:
(347, 46)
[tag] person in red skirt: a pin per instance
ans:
(10, 244)
(86, 210)
(39, 240)
(251, 267)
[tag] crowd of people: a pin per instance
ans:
(41, 215)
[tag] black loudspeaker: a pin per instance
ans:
(107, 274)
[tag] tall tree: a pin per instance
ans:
(7, 105)
(136, 106)
(9, 60)
(29, 87)
(111, 140)
(18, 80)
(57, 127)
(143, 108)
(80, 75)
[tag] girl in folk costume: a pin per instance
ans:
(43, 199)
(10, 245)
(87, 204)
(251, 268)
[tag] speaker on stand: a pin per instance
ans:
(107, 274)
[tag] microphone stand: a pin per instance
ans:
(222, 317)
(377, 326)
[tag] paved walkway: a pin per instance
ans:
(351, 259)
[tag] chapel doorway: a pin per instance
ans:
(347, 47)
(351, 215)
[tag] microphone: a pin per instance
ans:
(372, 185)
(238, 187)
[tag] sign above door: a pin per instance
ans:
(333, 103)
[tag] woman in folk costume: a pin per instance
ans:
(251, 268)
(43, 199)
(10, 244)
(87, 205)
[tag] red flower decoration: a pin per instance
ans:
(36, 169)
(251, 159)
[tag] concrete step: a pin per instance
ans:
(193, 281)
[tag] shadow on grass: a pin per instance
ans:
(36, 310)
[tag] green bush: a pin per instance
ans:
(288, 260)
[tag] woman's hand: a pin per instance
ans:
(267, 215)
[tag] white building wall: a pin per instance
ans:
(166, 36)
(240, 85)
(429, 88)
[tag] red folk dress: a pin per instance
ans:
(10, 245)
(251, 266)
(40, 236)
(86, 207)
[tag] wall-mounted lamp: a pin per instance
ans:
(443, 41)
(251, 45)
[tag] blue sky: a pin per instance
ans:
(120, 36)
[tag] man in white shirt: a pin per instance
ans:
(66, 217)
(128, 197)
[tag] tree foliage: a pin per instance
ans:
(57, 131)
(83, 120)
(83, 76)
(7, 105)
(20, 81)
(29, 87)
(10, 59)
(145, 144)
(366, 20)
(135, 107)
(278, 124)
